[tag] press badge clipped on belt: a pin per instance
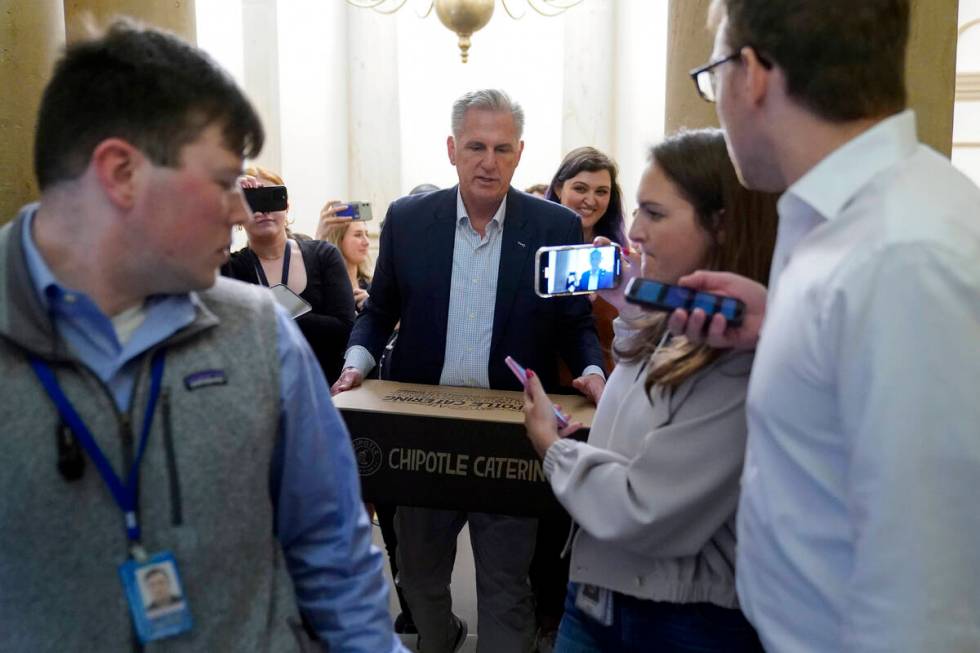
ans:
(156, 597)
(596, 602)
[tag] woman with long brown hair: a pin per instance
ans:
(654, 490)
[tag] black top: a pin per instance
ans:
(328, 325)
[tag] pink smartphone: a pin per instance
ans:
(521, 375)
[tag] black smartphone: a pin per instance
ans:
(658, 296)
(577, 269)
(266, 199)
(357, 211)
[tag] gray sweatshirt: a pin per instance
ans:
(654, 490)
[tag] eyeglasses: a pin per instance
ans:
(704, 77)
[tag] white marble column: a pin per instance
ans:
(260, 61)
(641, 29)
(313, 101)
(591, 49)
(375, 172)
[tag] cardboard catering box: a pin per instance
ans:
(451, 448)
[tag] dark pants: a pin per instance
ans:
(386, 519)
(549, 571)
(642, 626)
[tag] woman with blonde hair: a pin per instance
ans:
(351, 238)
(312, 269)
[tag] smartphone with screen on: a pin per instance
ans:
(289, 300)
(521, 375)
(267, 199)
(357, 211)
(657, 296)
(577, 269)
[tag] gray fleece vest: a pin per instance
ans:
(204, 481)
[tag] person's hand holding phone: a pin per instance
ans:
(629, 266)
(248, 181)
(329, 217)
(719, 334)
(539, 417)
(591, 386)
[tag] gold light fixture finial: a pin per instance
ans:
(464, 17)
(467, 16)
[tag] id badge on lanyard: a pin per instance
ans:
(151, 583)
(155, 595)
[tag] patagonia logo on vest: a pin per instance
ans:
(205, 378)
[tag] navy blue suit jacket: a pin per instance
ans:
(412, 282)
(605, 279)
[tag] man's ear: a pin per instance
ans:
(758, 76)
(451, 148)
(117, 165)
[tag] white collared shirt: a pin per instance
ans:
(858, 525)
(472, 297)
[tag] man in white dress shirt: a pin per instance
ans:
(858, 525)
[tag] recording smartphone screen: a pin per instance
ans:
(577, 269)
(266, 199)
(289, 300)
(357, 211)
(658, 296)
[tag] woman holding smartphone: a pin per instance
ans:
(653, 492)
(351, 238)
(585, 182)
(312, 269)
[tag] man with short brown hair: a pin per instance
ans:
(155, 417)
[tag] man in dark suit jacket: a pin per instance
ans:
(603, 277)
(456, 267)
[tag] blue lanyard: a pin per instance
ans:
(260, 273)
(124, 494)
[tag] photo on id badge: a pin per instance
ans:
(156, 597)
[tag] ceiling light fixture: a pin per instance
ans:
(464, 17)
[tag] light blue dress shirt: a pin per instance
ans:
(320, 518)
(472, 296)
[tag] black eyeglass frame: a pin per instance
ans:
(711, 65)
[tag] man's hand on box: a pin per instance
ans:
(349, 378)
(590, 385)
